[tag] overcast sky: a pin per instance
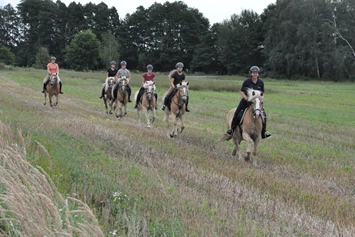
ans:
(214, 10)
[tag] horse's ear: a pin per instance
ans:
(187, 83)
(253, 93)
(262, 94)
(180, 83)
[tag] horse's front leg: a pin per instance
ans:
(175, 132)
(166, 119)
(249, 142)
(45, 98)
(182, 117)
(50, 100)
(153, 112)
(56, 99)
(146, 113)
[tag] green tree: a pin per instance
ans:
(240, 42)
(109, 49)
(42, 58)
(10, 27)
(83, 51)
(6, 56)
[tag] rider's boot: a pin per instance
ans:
(60, 88)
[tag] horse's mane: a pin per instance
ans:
(171, 73)
(251, 93)
(148, 83)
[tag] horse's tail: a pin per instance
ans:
(225, 137)
(171, 73)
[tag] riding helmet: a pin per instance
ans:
(53, 58)
(179, 64)
(113, 62)
(150, 67)
(123, 63)
(254, 69)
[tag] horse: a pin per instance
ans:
(52, 89)
(251, 124)
(147, 102)
(110, 82)
(177, 109)
(122, 97)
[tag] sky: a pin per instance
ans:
(214, 10)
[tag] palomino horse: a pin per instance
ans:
(52, 89)
(147, 101)
(177, 108)
(122, 97)
(250, 128)
(110, 82)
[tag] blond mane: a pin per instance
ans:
(251, 93)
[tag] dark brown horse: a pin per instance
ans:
(177, 109)
(52, 89)
(250, 128)
(122, 98)
(110, 82)
(147, 102)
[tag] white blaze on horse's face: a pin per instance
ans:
(257, 108)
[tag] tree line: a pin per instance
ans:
(291, 38)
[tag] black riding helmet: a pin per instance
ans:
(254, 69)
(150, 67)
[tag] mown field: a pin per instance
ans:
(301, 185)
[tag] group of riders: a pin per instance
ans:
(178, 76)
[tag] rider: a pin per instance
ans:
(123, 72)
(52, 67)
(175, 78)
(111, 72)
(147, 76)
(253, 82)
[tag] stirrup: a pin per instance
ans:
(229, 132)
(266, 135)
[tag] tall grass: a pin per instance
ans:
(30, 203)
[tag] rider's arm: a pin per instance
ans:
(48, 71)
(245, 97)
(57, 70)
(129, 76)
(172, 82)
(143, 79)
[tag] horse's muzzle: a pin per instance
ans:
(257, 114)
(184, 99)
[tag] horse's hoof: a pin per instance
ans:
(110, 112)
(148, 126)
(234, 153)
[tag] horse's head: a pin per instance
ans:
(255, 101)
(123, 82)
(110, 82)
(182, 90)
(53, 78)
(149, 89)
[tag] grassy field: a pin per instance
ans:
(302, 184)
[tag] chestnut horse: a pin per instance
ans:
(110, 82)
(177, 109)
(251, 125)
(52, 89)
(147, 102)
(122, 97)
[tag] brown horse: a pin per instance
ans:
(52, 89)
(177, 109)
(122, 98)
(147, 102)
(110, 82)
(250, 128)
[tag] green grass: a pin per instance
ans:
(191, 185)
